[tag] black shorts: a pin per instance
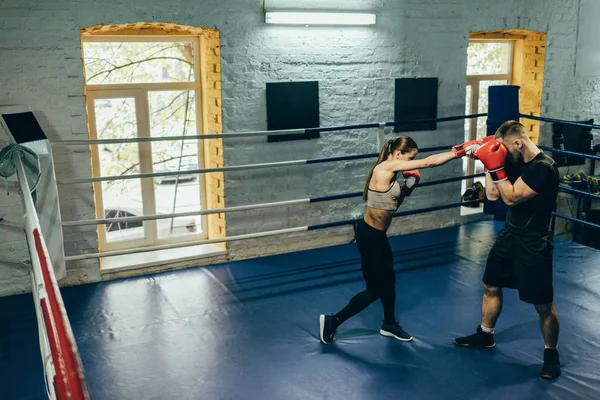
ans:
(524, 263)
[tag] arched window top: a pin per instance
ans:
(149, 29)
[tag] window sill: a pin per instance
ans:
(464, 211)
(159, 257)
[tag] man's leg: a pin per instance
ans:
(490, 307)
(534, 281)
(499, 273)
(490, 311)
(549, 323)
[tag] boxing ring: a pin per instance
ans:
(249, 329)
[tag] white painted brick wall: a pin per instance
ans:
(356, 67)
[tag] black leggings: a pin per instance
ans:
(377, 263)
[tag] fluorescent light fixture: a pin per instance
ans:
(319, 18)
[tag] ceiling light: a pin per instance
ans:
(319, 18)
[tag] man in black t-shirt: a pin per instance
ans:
(527, 181)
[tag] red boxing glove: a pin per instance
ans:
(467, 148)
(484, 141)
(493, 156)
(487, 139)
(411, 179)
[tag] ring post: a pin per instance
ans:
(503, 105)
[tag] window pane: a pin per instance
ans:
(468, 96)
(488, 58)
(173, 113)
(116, 119)
(138, 62)
(482, 106)
(467, 160)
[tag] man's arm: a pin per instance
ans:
(530, 183)
(491, 191)
(516, 193)
(533, 180)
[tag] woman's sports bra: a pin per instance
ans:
(388, 200)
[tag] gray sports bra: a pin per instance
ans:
(388, 200)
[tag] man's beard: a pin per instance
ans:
(515, 161)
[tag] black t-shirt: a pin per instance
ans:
(534, 215)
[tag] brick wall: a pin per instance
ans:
(529, 52)
(530, 78)
(356, 68)
(213, 124)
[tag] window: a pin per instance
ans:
(145, 87)
(489, 63)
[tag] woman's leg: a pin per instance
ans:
(390, 326)
(371, 257)
(368, 247)
(388, 284)
(357, 303)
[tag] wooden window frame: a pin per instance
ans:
(139, 91)
(474, 81)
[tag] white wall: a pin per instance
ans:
(355, 67)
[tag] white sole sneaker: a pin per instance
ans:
(321, 327)
(389, 334)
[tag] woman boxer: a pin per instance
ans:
(383, 195)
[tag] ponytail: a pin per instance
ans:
(384, 153)
(402, 143)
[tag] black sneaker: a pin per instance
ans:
(327, 328)
(478, 339)
(551, 368)
(394, 330)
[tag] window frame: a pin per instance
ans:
(474, 81)
(140, 92)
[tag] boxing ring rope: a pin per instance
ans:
(564, 188)
(579, 221)
(559, 121)
(567, 189)
(63, 370)
(572, 153)
(263, 133)
(380, 126)
(246, 167)
(249, 206)
(262, 234)
(9, 224)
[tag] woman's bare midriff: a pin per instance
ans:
(378, 219)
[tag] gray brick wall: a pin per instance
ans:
(356, 68)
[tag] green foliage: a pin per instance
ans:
(137, 62)
(487, 58)
(172, 113)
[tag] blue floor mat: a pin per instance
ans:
(249, 329)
